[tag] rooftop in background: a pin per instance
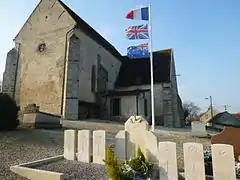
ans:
(237, 115)
(137, 71)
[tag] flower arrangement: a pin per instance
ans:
(137, 167)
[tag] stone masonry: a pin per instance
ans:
(42, 51)
(52, 63)
(47, 62)
(9, 76)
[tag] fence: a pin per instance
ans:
(79, 146)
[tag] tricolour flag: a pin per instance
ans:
(137, 32)
(140, 51)
(138, 14)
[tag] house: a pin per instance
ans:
(237, 115)
(68, 69)
(207, 116)
(224, 119)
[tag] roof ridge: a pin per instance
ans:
(87, 29)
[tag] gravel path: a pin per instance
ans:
(23, 146)
(75, 170)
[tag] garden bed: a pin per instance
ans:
(76, 169)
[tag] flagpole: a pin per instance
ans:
(151, 67)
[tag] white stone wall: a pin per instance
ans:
(141, 105)
(40, 75)
(158, 97)
(128, 106)
(9, 75)
(88, 52)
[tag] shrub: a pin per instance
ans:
(118, 170)
(8, 112)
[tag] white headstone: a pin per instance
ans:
(70, 144)
(193, 161)
(168, 161)
(223, 162)
(121, 145)
(198, 129)
(151, 146)
(84, 146)
(99, 146)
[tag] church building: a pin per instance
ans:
(61, 64)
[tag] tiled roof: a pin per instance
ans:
(237, 115)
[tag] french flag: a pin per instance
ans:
(138, 14)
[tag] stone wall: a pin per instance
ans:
(158, 99)
(42, 42)
(9, 75)
(72, 79)
(89, 53)
(174, 91)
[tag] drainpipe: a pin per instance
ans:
(64, 68)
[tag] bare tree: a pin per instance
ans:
(191, 111)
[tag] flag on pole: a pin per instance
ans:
(137, 32)
(138, 14)
(140, 51)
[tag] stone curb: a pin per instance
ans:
(26, 169)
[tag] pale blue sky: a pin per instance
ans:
(204, 35)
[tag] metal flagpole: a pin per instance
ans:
(151, 66)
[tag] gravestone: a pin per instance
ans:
(151, 146)
(84, 146)
(198, 129)
(140, 137)
(193, 161)
(223, 162)
(99, 146)
(70, 144)
(167, 161)
(135, 123)
(121, 145)
(229, 135)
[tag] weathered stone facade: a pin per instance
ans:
(9, 75)
(66, 68)
(42, 51)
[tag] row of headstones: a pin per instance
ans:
(222, 155)
(78, 146)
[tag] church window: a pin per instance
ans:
(42, 47)
(93, 86)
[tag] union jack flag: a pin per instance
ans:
(137, 32)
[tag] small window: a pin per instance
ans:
(93, 87)
(42, 47)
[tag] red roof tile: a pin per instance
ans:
(237, 115)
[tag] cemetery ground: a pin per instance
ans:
(25, 145)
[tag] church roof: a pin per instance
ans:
(137, 71)
(86, 28)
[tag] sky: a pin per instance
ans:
(203, 34)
